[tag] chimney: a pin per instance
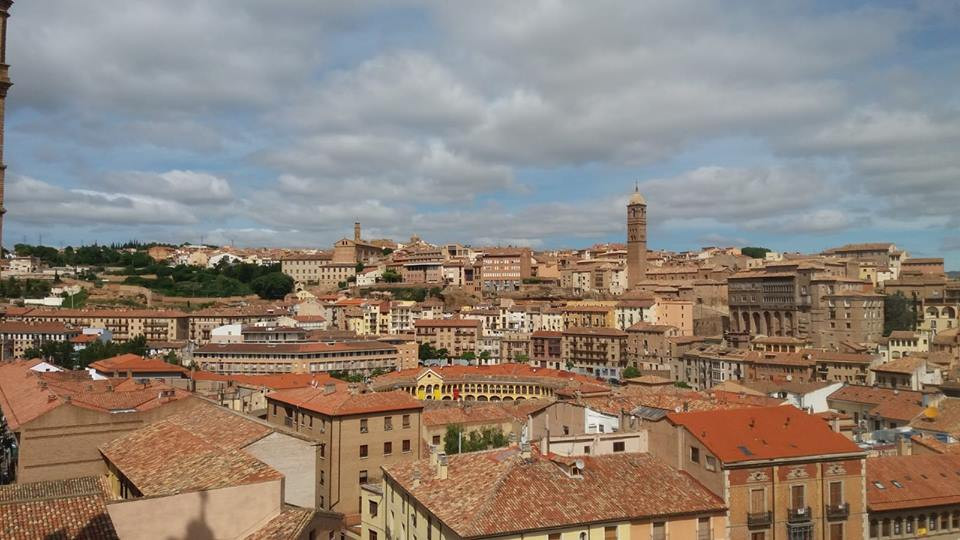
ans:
(904, 446)
(545, 445)
(433, 454)
(836, 424)
(441, 466)
(525, 452)
(416, 479)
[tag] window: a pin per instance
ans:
(406, 445)
(363, 450)
(387, 423)
(711, 463)
(836, 493)
(436, 440)
(758, 501)
(323, 476)
(758, 536)
(659, 530)
(363, 425)
(874, 528)
(373, 535)
(932, 523)
(944, 520)
(619, 446)
(694, 454)
(553, 536)
(363, 476)
(897, 526)
(836, 531)
(796, 497)
(323, 450)
(406, 421)
(387, 448)
(373, 508)
(583, 536)
(609, 533)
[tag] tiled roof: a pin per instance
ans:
(947, 419)
(498, 492)
(647, 327)
(276, 381)
(73, 508)
(288, 525)
(438, 414)
(890, 403)
(104, 313)
(343, 402)
(294, 348)
(448, 323)
(191, 451)
(498, 372)
(904, 334)
(906, 365)
(592, 331)
(739, 435)
(838, 357)
(19, 327)
(924, 481)
(21, 397)
(934, 445)
(134, 363)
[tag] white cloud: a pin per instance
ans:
(184, 186)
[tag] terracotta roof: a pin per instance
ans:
(132, 363)
(647, 327)
(20, 327)
(458, 323)
(546, 334)
(104, 313)
(925, 480)
(906, 365)
(838, 357)
(935, 445)
(889, 403)
(591, 331)
(904, 334)
(491, 493)
(84, 338)
(189, 452)
(498, 372)
(342, 402)
(763, 433)
(73, 508)
(947, 419)
(289, 524)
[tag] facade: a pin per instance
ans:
(783, 474)
(576, 315)
(546, 349)
(648, 346)
(532, 496)
(457, 336)
(598, 352)
(914, 496)
(356, 434)
(123, 324)
(16, 337)
(309, 357)
(318, 270)
(504, 269)
(636, 239)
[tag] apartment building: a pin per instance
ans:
(504, 269)
(902, 343)
(546, 349)
(457, 336)
(533, 497)
(357, 433)
(16, 336)
(309, 357)
(881, 254)
(598, 352)
(783, 473)
(318, 270)
(155, 325)
(576, 315)
(514, 347)
(648, 346)
(706, 366)
(203, 321)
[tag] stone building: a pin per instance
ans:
(598, 352)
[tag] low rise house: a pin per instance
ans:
(68, 508)
(914, 496)
(874, 409)
(908, 372)
(136, 366)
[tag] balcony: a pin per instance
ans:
(799, 515)
(759, 520)
(837, 512)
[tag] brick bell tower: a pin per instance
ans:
(636, 238)
(5, 85)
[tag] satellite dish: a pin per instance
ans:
(931, 413)
(579, 464)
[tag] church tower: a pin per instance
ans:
(5, 85)
(636, 239)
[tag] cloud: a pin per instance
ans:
(184, 186)
(37, 202)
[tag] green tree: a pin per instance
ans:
(485, 356)
(631, 372)
(427, 352)
(899, 313)
(521, 358)
(681, 384)
(469, 356)
(172, 358)
(755, 252)
(391, 276)
(456, 439)
(273, 286)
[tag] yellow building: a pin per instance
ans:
(502, 382)
(533, 498)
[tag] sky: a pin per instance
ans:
(791, 125)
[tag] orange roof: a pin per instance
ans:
(22, 327)
(295, 348)
(342, 402)
(763, 433)
(889, 403)
(918, 481)
(492, 493)
(71, 508)
(133, 363)
(494, 372)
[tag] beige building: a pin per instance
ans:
(598, 352)
(16, 337)
(155, 325)
(676, 313)
(648, 346)
(309, 357)
(457, 336)
(347, 251)
(533, 498)
(357, 433)
(504, 269)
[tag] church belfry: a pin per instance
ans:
(636, 238)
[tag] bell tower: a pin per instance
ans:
(636, 238)
(5, 85)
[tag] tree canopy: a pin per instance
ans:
(899, 313)
(755, 252)
(474, 441)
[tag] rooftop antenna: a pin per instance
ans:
(636, 187)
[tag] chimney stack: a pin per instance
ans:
(525, 452)
(416, 479)
(441, 466)
(433, 454)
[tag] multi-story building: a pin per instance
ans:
(154, 325)
(874, 409)
(914, 496)
(347, 251)
(504, 269)
(902, 343)
(676, 313)
(305, 268)
(599, 352)
(634, 311)
(203, 321)
(782, 472)
(425, 499)
(457, 336)
(546, 349)
(582, 315)
(309, 357)
(515, 347)
(357, 434)
(882, 254)
(919, 266)
(16, 337)
(706, 366)
(850, 368)
(648, 346)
